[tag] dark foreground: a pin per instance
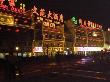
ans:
(69, 70)
(59, 78)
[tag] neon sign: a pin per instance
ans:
(6, 20)
(49, 15)
(88, 48)
(49, 24)
(74, 20)
(11, 2)
(85, 23)
(38, 49)
(12, 7)
(42, 14)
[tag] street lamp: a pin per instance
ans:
(17, 49)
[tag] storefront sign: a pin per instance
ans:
(49, 24)
(49, 14)
(88, 48)
(6, 19)
(42, 14)
(85, 23)
(12, 7)
(38, 49)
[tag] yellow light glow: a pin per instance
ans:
(88, 48)
(20, 5)
(17, 48)
(15, 0)
(30, 54)
(94, 34)
(6, 19)
(108, 29)
(38, 49)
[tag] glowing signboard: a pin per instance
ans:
(85, 23)
(88, 48)
(41, 13)
(6, 19)
(48, 24)
(12, 7)
(38, 49)
(50, 15)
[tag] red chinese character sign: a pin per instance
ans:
(55, 16)
(88, 24)
(61, 18)
(48, 14)
(35, 10)
(54, 19)
(11, 2)
(41, 12)
(12, 6)
(1, 1)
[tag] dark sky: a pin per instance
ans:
(94, 10)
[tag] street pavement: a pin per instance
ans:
(64, 72)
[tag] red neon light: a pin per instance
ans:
(12, 8)
(12, 3)
(17, 30)
(2, 1)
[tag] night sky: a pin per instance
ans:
(94, 10)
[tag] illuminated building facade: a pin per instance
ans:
(16, 36)
(34, 31)
(107, 39)
(88, 36)
(53, 39)
(52, 32)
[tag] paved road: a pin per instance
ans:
(64, 72)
